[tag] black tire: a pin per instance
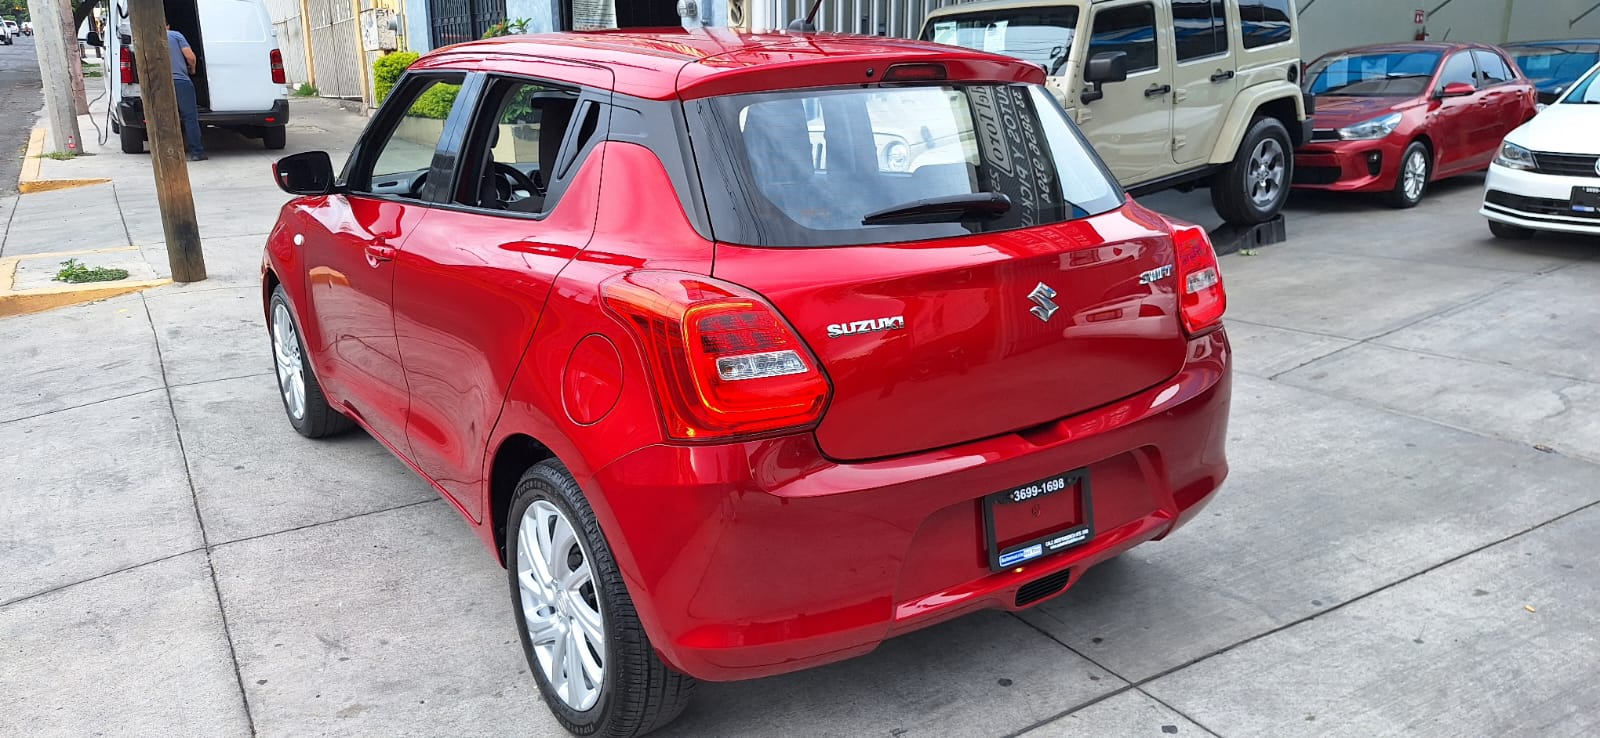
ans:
(319, 420)
(275, 137)
(1509, 231)
(1234, 189)
(1404, 195)
(639, 693)
(132, 140)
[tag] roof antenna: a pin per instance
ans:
(805, 25)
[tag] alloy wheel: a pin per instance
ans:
(1415, 174)
(560, 605)
(1268, 163)
(291, 364)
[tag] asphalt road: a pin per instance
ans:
(20, 99)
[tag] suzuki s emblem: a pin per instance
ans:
(1043, 306)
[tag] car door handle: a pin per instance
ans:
(1157, 90)
(1222, 75)
(378, 252)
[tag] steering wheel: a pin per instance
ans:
(510, 179)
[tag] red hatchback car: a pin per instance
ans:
(1393, 118)
(730, 392)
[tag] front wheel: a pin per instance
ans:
(580, 633)
(1415, 168)
(308, 409)
(1253, 187)
(1509, 231)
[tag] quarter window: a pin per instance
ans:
(1492, 69)
(1458, 68)
(1130, 29)
(1201, 27)
(1264, 22)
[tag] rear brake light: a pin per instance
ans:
(1203, 299)
(722, 361)
(914, 73)
(277, 66)
(125, 67)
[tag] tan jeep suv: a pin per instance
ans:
(1172, 93)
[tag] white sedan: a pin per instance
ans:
(1547, 174)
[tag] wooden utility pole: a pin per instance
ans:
(80, 98)
(50, 38)
(149, 19)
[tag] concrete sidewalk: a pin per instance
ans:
(1405, 545)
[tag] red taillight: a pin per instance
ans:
(125, 66)
(277, 67)
(1202, 299)
(722, 361)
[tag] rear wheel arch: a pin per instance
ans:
(516, 454)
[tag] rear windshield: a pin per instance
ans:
(866, 165)
(1382, 74)
(1039, 35)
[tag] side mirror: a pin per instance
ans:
(93, 40)
(1106, 66)
(1457, 89)
(310, 173)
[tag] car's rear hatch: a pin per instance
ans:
(933, 334)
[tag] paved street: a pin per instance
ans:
(1405, 544)
(19, 105)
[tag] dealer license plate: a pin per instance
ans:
(1586, 199)
(1030, 522)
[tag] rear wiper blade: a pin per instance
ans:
(947, 209)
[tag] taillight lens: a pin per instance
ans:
(724, 364)
(125, 67)
(277, 67)
(1202, 299)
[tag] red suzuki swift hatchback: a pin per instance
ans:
(748, 352)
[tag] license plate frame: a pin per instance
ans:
(1585, 199)
(1049, 540)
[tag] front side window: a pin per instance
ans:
(1201, 27)
(1265, 22)
(1380, 74)
(892, 164)
(1492, 69)
(402, 161)
(1459, 69)
(1130, 29)
(1040, 35)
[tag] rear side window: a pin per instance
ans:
(824, 167)
(1130, 29)
(1264, 22)
(1492, 69)
(1201, 27)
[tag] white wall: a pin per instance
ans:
(1327, 25)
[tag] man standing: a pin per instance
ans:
(183, 65)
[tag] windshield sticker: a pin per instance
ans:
(1009, 138)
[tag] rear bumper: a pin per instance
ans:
(130, 112)
(1539, 201)
(760, 558)
(1349, 166)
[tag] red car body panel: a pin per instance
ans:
(753, 557)
(1463, 132)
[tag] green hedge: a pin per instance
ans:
(433, 103)
(387, 70)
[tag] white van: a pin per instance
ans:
(239, 78)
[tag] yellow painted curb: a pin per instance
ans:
(30, 182)
(22, 302)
